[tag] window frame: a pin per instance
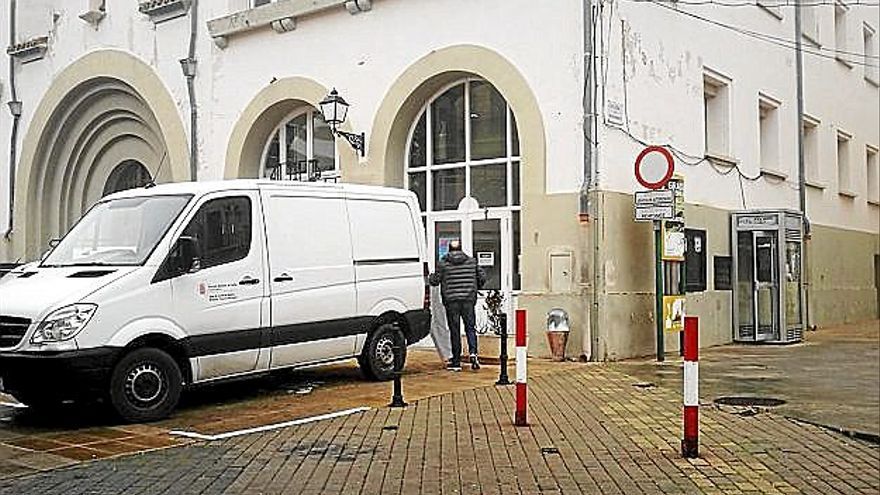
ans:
(509, 159)
(280, 130)
(204, 265)
(718, 87)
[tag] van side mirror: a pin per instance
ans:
(54, 242)
(189, 254)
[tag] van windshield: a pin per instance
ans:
(118, 232)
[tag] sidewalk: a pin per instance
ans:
(591, 431)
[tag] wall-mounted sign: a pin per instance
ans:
(757, 221)
(485, 258)
(673, 241)
(673, 313)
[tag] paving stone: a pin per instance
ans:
(598, 434)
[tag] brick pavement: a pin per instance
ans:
(591, 431)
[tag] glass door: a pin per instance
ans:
(766, 287)
(486, 236)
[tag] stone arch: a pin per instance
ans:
(103, 109)
(405, 99)
(263, 114)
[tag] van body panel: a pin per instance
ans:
(219, 306)
(311, 276)
(137, 328)
(47, 289)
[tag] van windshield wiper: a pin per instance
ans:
(84, 263)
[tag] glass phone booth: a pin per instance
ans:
(768, 290)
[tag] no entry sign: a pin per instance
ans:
(654, 167)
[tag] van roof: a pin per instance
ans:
(203, 187)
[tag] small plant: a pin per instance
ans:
(494, 306)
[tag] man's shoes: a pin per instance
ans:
(475, 363)
(453, 367)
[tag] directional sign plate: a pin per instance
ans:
(650, 213)
(659, 197)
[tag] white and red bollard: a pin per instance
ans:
(690, 445)
(521, 416)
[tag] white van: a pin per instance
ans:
(162, 287)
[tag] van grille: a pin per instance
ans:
(12, 329)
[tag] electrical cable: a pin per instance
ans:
(768, 3)
(767, 38)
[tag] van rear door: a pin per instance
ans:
(311, 277)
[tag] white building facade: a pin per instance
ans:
(517, 136)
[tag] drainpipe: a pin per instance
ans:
(587, 209)
(189, 71)
(15, 109)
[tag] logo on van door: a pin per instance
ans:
(217, 292)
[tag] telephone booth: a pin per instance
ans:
(768, 291)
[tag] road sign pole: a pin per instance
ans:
(658, 287)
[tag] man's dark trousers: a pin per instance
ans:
(464, 310)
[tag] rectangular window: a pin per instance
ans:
(844, 185)
(716, 110)
(222, 228)
(768, 123)
(811, 150)
(840, 32)
(695, 260)
(722, 267)
(872, 65)
(873, 174)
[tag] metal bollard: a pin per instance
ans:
(502, 357)
(397, 395)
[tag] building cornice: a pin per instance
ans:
(163, 10)
(281, 16)
(30, 50)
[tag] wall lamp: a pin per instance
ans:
(335, 109)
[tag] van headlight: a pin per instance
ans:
(64, 323)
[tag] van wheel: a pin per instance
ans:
(377, 359)
(145, 385)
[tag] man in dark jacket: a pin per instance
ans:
(459, 278)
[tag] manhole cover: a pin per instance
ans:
(749, 401)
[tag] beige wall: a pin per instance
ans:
(841, 270)
(840, 263)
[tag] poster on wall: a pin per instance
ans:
(443, 246)
(673, 313)
(673, 241)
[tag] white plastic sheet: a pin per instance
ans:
(439, 328)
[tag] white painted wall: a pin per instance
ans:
(666, 53)
(362, 55)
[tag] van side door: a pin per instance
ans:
(311, 278)
(219, 303)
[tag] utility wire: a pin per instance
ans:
(767, 38)
(767, 3)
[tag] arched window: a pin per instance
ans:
(464, 144)
(301, 148)
(127, 175)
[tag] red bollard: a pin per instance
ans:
(690, 444)
(520, 417)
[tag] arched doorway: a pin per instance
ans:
(127, 175)
(463, 163)
(96, 127)
(100, 111)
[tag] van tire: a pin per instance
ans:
(145, 385)
(377, 359)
